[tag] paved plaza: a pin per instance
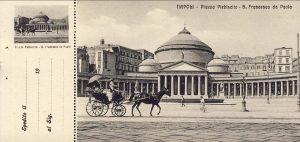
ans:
(278, 121)
(42, 37)
(92, 131)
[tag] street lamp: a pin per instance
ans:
(244, 108)
(268, 73)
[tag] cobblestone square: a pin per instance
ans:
(278, 121)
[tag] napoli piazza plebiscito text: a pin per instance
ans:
(188, 67)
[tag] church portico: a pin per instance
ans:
(190, 85)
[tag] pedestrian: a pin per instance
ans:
(202, 101)
(182, 101)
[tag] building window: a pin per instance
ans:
(287, 60)
(280, 69)
(279, 60)
(287, 52)
(287, 68)
(280, 52)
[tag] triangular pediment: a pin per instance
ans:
(183, 66)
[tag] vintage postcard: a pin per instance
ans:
(37, 71)
(188, 71)
(93, 71)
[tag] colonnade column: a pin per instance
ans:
(166, 81)
(275, 88)
(293, 91)
(257, 87)
(240, 89)
(264, 88)
(211, 88)
(178, 85)
(147, 89)
(281, 88)
(234, 89)
(153, 88)
(192, 85)
(270, 86)
(206, 83)
(141, 87)
(158, 83)
(228, 87)
(199, 85)
(288, 88)
(252, 89)
(129, 87)
(217, 89)
(172, 85)
(185, 85)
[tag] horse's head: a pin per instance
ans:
(165, 91)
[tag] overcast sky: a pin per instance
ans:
(53, 12)
(149, 24)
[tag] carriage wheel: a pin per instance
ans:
(96, 108)
(93, 108)
(118, 110)
(113, 111)
(105, 109)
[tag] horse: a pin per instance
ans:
(154, 100)
(30, 30)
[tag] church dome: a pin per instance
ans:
(41, 17)
(184, 37)
(217, 62)
(149, 65)
(217, 65)
(184, 42)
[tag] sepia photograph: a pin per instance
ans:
(41, 24)
(188, 71)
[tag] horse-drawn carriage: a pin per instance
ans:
(99, 102)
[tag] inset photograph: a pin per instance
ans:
(41, 24)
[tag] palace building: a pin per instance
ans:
(188, 67)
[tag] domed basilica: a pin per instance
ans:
(182, 64)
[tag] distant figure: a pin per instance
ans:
(182, 101)
(202, 101)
